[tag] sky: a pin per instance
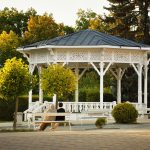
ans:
(64, 11)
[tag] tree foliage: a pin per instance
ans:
(121, 18)
(58, 80)
(90, 20)
(8, 44)
(42, 28)
(12, 19)
(15, 80)
(129, 19)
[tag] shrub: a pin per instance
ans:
(100, 122)
(125, 113)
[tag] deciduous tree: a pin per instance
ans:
(15, 81)
(12, 19)
(8, 44)
(58, 80)
(42, 28)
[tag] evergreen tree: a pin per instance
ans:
(142, 11)
(129, 19)
(122, 19)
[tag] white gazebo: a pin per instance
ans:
(91, 49)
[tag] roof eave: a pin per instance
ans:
(89, 46)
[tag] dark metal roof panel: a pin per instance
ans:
(87, 38)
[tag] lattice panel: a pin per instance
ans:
(41, 56)
(61, 55)
(33, 58)
(107, 55)
(136, 57)
(78, 55)
(95, 55)
(121, 56)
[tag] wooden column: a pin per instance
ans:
(31, 69)
(118, 75)
(40, 89)
(140, 84)
(101, 83)
(77, 86)
(145, 84)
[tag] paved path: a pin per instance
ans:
(87, 137)
(102, 139)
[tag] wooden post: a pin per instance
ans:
(40, 89)
(77, 86)
(145, 84)
(140, 84)
(101, 83)
(31, 69)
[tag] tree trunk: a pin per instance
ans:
(15, 114)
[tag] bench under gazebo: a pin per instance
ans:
(91, 49)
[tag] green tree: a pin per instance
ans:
(68, 30)
(90, 20)
(42, 28)
(15, 81)
(8, 44)
(12, 19)
(58, 80)
(142, 13)
(84, 17)
(129, 19)
(122, 19)
(89, 80)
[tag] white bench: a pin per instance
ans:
(41, 116)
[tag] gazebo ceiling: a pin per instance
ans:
(87, 38)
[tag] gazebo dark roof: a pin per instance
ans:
(87, 38)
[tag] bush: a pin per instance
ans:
(125, 113)
(100, 122)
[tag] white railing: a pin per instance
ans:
(142, 109)
(84, 106)
(68, 106)
(78, 107)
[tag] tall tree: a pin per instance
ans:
(129, 19)
(12, 19)
(84, 17)
(8, 44)
(121, 19)
(42, 28)
(90, 20)
(68, 29)
(143, 16)
(15, 80)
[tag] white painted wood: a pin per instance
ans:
(40, 89)
(119, 70)
(82, 73)
(95, 68)
(31, 70)
(106, 69)
(145, 83)
(101, 83)
(54, 100)
(140, 84)
(77, 86)
(118, 73)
